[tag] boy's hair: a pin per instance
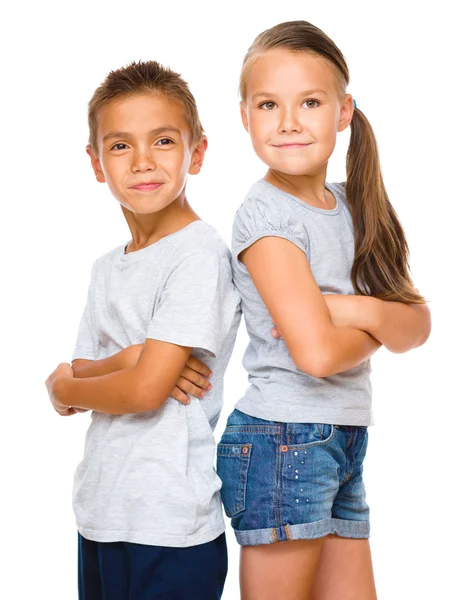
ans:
(381, 265)
(144, 77)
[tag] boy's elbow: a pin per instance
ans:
(146, 398)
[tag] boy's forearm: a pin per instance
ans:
(97, 368)
(115, 393)
(142, 388)
(399, 327)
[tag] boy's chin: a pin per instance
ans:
(144, 207)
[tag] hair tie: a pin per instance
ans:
(354, 103)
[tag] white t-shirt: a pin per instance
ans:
(149, 478)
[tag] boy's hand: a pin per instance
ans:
(193, 381)
(63, 370)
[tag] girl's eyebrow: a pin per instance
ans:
(306, 93)
(125, 134)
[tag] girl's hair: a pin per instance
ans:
(144, 77)
(380, 266)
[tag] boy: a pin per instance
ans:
(146, 496)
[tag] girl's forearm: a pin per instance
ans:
(344, 349)
(399, 327)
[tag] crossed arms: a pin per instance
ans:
(325, 335)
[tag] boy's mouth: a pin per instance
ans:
(147, 187)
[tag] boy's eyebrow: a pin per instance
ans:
(306, 93)
(125, 134)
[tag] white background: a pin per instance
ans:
(408, 62)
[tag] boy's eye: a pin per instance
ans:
(119, 146)
(267, 105)
(310, 103)
(165, 142)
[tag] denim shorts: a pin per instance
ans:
(292, 481)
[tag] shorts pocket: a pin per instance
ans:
(232, 467)
(303, 436)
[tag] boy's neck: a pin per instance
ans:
(148, 229)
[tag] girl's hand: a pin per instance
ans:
(193, 381)
(63, 370)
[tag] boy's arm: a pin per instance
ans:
(142, 388)
(282, 274)
(193, 380)
(183, 320)
(399, 327)
(83, 368)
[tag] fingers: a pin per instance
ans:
(180, 396)
(198, 366)
(275, 331)
(194, 377)
(66, 413)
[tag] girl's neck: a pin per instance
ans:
(309, 188)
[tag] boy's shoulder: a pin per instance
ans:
(199, 237)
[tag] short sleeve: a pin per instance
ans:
(259, 217)
(195, 304)
(86, 344)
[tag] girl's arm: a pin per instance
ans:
(399, 327)
(282, 275)
(142, 388)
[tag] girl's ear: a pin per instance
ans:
(98, 171)
(198, 155)
(346, 112)
(244, 116)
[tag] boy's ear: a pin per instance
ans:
(96, 165)
(244, 116)
(346, 112)
(198, 156)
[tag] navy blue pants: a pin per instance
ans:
(124, 571)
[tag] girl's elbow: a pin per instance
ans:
(317, 366)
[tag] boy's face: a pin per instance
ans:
(145, 151)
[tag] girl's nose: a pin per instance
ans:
(289, 121)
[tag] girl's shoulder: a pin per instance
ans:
(262, 200)
(265, 212)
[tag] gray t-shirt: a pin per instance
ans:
(278, 390)
(149, 478)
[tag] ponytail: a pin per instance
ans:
(380, 267)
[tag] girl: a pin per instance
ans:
(328, 263)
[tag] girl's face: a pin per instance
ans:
(293, 110)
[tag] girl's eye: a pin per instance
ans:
(310, 103)
(165, 142)
(119, 146)
(267, 105)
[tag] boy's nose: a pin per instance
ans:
(143, 162)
